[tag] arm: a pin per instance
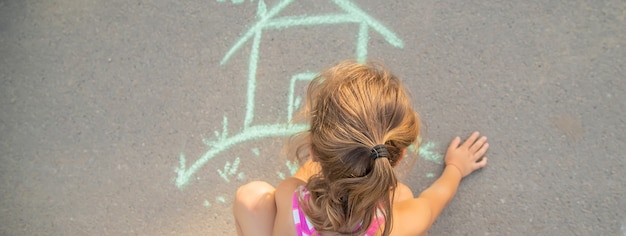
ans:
(283, 222)
(461, 160)
(283, 197)
(441, 192)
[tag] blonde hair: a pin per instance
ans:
(351, 108)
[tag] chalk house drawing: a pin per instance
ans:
(268, 19)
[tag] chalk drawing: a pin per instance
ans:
(281, 175)
(233, 1)
(427, 152)
(293, 102)
(267, 19)
(256, 151)
(292, 166)
(229, 169)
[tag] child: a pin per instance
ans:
(361, 124)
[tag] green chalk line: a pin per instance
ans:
(267, 20)
(254, 132)
(256, 151)
(426, 151)
(291, 103)
(229, 169)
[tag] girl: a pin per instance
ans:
(361, 123)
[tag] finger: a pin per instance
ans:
(478, 144)
(472, 138)
(481, 152)
(455, 143)
(482, 163)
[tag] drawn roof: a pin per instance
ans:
(353, 14)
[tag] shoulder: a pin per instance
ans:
(283, 223)
(284, 193)
(411, 217)
(402, 192)
(286, 188)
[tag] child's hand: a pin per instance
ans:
(467, 157)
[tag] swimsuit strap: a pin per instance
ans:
(302, 223)
(304, 227)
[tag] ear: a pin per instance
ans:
(311, 156)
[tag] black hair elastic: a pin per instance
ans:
(379, 151)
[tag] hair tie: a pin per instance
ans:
(379, 151)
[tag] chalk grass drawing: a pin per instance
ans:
(268, 19)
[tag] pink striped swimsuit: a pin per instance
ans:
(304, 226)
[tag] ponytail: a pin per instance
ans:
(360, 121)
(346, 204)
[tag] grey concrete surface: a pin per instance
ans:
(99, 100)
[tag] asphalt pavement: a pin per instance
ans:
(143, 117)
